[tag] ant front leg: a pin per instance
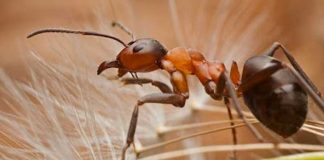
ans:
(164, 88)
(178, 99)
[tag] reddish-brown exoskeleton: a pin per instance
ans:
(275, 93)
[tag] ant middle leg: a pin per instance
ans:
(233, 95)
(226, 83)
(234, 136)
(216, 92)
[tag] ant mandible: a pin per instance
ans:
(275, 93)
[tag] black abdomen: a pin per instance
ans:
(278, 102)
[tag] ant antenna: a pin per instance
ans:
(117, 24)
(75, 32)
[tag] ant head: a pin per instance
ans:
(141, 55)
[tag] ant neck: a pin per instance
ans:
(158, 62)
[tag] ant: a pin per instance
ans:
(275, 93)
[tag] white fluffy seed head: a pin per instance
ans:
(66, 111)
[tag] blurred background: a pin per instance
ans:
(223, 30)
(297, 24)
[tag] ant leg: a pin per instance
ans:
(237, 106)
(227, 103)
(164, 98)
(307, 87)
(178, 99)
(271, 51)
(218, 91)
(212, 90)
(164, 88)
(121, 72)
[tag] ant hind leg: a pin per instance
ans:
(272, 50)
(312, 93)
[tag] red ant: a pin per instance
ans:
(275, 93)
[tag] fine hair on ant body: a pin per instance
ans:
(276, 94)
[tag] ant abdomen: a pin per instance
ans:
(279, 102)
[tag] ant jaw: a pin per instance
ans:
(105, 65)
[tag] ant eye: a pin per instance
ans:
(138, 48)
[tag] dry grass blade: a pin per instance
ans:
(315, 122)
(314, 127)
(147, 148)
(302, 156)
(217, 109)
(239, 147)
(168, 129)
(308, 129)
